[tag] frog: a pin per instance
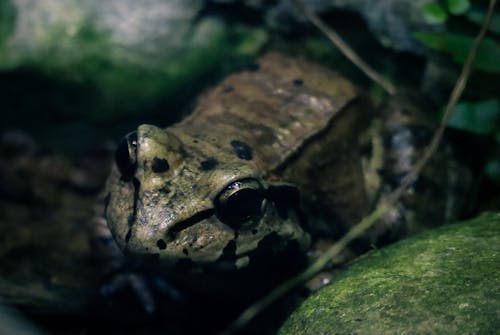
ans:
(271, 160)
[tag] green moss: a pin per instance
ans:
(445, 281)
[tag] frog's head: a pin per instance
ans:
(186, 199)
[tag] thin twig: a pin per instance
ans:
(383, 205)
(344, 47)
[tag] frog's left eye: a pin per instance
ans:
(126, 156)
(240, 202)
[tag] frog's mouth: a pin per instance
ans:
(214, 246)
(207, 241)
(194, 219)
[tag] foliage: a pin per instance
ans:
(434, 13)
(459, 45)
(458, 7)
(476, 16)
(481, 117)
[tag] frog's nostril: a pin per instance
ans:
(161, 244)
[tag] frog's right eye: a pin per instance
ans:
(240, 202)
(126, 156)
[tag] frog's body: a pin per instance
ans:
(272, 125)
(224, 184)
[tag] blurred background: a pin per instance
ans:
(77, 75)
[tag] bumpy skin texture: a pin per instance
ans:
(255, 126)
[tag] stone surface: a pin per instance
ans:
(445, 281)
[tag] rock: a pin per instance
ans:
(444, 281)
(95, 53)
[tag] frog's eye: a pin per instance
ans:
(126, 156)
(240, 202)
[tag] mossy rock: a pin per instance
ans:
(445, 281)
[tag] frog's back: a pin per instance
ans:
(268, 112)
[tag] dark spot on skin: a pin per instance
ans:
(159, 165)
(184, 154)
(164, 190)
(298, 82)
(208, 164)
(195, 141)
(129, 234)
(185, 252)
(242, 150)
(161, 244)
(227, 89)
(253, 67)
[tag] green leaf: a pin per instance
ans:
(477, 15)
(458, 7)
(481, 117)
(434, 13)
(487, 58)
